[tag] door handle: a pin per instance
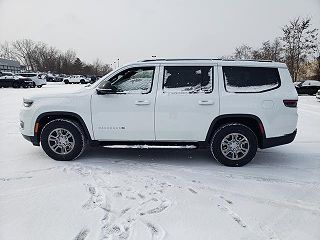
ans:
(142, 102)
(205, 102)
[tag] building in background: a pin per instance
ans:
(9, 65)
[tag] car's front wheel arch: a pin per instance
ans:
(46, 117)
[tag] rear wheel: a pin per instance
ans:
(39, 86)
(82, 81)
(33, 85)
(234, 145)
(63, 140)
(66, 81)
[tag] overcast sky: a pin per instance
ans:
(138, 29)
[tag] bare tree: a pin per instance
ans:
(38, 56)
(299, 42)
(105, 69)
(6, 51)
(243, 52)
(317, 60)
(269, 51)
(23, 51)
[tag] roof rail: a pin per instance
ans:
(248, 60)
(202, 59)
(179, 59)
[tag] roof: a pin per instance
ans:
(218, 61)
(8, 62)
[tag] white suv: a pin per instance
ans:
(76, 79)
(230, 107)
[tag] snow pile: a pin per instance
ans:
(157, 194)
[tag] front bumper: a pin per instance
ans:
(277, 141)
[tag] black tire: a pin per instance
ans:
(220, 134)
(33, 85)
(15, 85)
(24, 85)
(79, 138)
(82, 81)
(39, 86)
(66, 81)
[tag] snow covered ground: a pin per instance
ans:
(158, 194)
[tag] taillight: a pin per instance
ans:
(290, 103)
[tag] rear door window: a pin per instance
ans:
(188, 79)
(250, 79)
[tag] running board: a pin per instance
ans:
(152, 146)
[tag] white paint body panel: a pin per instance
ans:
(277, 119)
(74, 102)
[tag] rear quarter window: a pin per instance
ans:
(250, 79)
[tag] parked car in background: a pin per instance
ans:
(39, 80)
(94, 78)
(59, 78)
(8, 79)
(50, 78)
(77, 79)
(318, 95)
(309, 87)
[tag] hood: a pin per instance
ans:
(57, 93)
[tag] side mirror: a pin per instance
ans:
(103, 91)
(107, 88)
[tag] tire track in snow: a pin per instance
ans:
(82, 234)
(232, 214)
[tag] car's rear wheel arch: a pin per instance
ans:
(249, 120)
(47, 117)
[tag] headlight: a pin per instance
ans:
(27, 103)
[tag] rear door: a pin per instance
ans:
(187, 102)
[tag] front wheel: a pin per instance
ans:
(234, 145)
(63, 140)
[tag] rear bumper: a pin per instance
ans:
(277, 141)
(34, 140)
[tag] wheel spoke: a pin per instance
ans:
(61, 141)
(235, 146)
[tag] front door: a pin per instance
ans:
(187, 102)
(127, 113)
